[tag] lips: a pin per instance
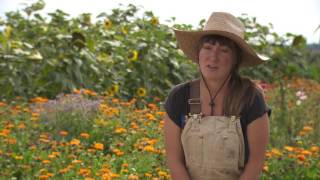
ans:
(212, 67)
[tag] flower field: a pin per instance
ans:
(82, 98)
(87, 136)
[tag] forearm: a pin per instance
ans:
(252, 170)
(178, 171)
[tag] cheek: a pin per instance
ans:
(201, 55)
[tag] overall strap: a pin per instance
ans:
(194, 100)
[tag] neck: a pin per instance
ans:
(215, 86)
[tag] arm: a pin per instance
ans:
(258, 135)
(174, 150)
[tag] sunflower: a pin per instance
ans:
(107, 23)
(154, 21)
(114, 89)
(141, 92)
(8, 32)
(124, 30)
(86, 17)
(133, 56)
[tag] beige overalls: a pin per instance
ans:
(213, 145)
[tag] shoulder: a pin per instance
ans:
(257, 108)
(179, 88)
(175, 104)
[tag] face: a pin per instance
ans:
(217, 56)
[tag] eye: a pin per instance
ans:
(206, 46)
(225, 49)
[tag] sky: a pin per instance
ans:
(294, 16)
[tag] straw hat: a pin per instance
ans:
(223, 24)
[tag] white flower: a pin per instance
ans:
(304, 97)
(299, 93)
(298, 103)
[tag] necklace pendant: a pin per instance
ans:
(212, 104)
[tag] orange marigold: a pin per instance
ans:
(98, 146)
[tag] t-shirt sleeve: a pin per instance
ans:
(174, 103)
(257, 109)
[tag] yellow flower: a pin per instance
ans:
(125, 165)
(114, 175)
(276, 152)
(12, 141)
(5, 132)
(306, 152)
(150, 117)
(50, 174)
(134, 125)
(115, 100)
(8, 32)
(162, 173)
(107, 23)
(307, 129)
(51, 156)
(75, 142)
(76, 161)
(64, 170)
(314, 149)
(39, 100)
(154, 21)
(265, 168)
(147, 174)
(152, 141)
(18, 157)
(133, 177)
(86, 18)
(114, 89)
(99, 146)
(43, 177)
(141, 92)
(149, 148)
(133, 56)
(124, 30)
(16, 44)
(120, 130)
(89, 92)
(63, 133)
(46, 161)
(84, 171)
(124, 170)
(118, 152)
(21, 126)
(288, 148)
(84, 135)
(2, 104)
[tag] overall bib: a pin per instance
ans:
(213, 145)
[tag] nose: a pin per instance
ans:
(213, 54)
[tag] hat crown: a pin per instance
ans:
(222, 21)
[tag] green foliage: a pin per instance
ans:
(44, 56)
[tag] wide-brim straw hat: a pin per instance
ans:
(223, 24)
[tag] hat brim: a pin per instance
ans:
(188, 42)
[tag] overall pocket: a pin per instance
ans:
(225, 150)
(192, 143)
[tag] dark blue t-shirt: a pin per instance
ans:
(176, 106)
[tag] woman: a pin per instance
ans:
(216, 126)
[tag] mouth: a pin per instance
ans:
(212, 67)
